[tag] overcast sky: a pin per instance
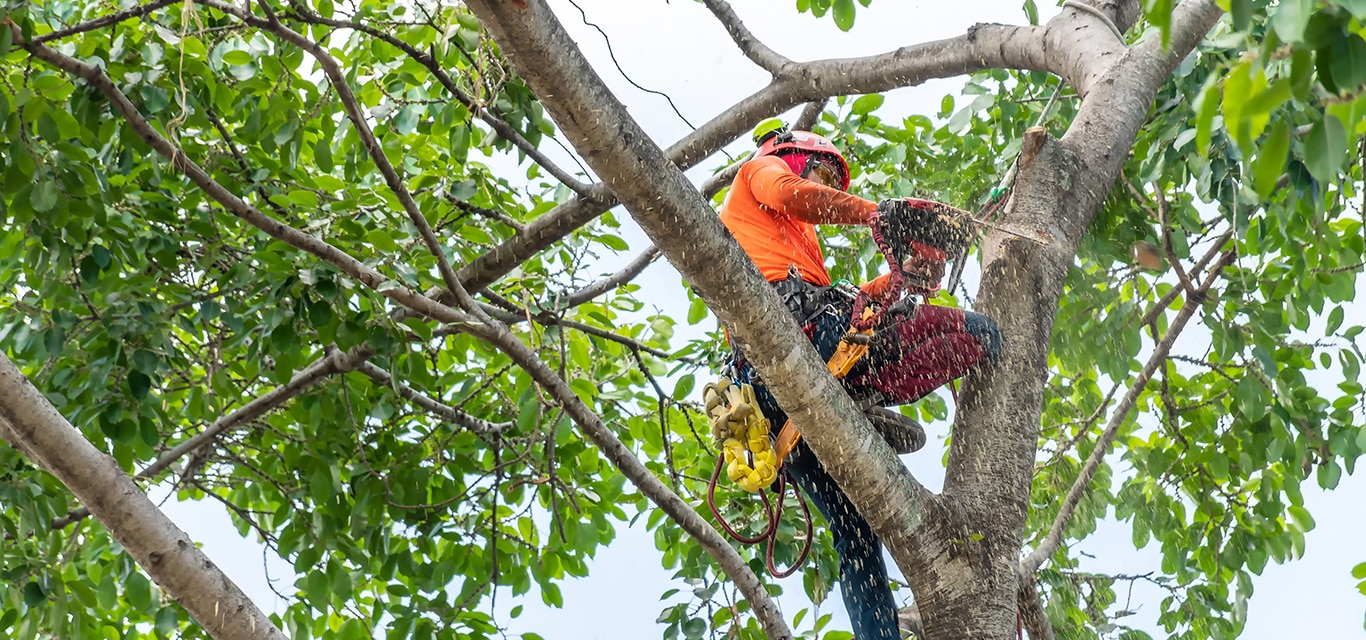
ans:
(679, 49)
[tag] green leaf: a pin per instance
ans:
(1325, 149)
(145, 361)
(1291, 18)
(353, 630)
(694, 628)
(44, 196)
(1242, 14)
(101, 256)
(1269, 166)
(1251, 398)
(1301, 517)
(684, 387)
(1359, 571)
(1329, 473)
(1301, 74)
(1334, 321)
(697, 310)
(381, 240)
(1031, 12)
(844, 14)
(866, 104)
(1348, 62)
(138, 590)
(236, 57)
(139, 384)
(1206, 108)
(34, 594)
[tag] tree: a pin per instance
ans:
(250, 250)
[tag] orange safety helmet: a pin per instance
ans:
(781, 142)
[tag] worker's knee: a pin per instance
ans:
(986, 331)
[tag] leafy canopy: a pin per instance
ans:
(146, 312)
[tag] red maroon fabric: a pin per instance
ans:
(918, 354)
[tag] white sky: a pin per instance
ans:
(678, 48)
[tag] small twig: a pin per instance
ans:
(114, 18)
(1167, 241)
(431, 405)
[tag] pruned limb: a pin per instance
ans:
(433, 406)
(30, 423)
(1053, 540)
(756, 51)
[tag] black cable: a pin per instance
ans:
(584, 16)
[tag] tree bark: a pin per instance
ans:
(30, 423)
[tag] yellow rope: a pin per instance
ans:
(742, 430)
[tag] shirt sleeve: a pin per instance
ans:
(876, 287)
(776, 187)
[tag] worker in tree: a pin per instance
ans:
(795, 181)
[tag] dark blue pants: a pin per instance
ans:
(863, 574)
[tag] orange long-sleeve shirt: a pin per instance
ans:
(773, 214)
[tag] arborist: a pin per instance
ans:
(796, 181)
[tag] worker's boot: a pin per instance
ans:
(903, 434)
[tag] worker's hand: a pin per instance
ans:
(923, 271)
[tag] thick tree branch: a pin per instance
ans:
(30, 423)
(756, 51)
(1030, 565)
(99, 23)
(1057, 194)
